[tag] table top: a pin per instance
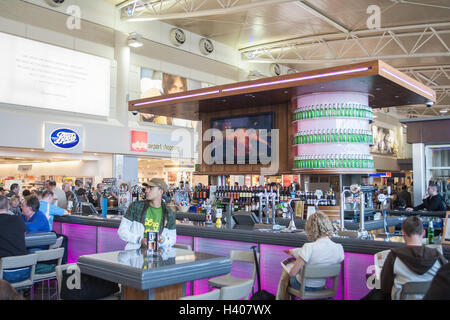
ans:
(142, 270)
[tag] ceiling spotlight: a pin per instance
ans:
(443, 111)
(134, 40)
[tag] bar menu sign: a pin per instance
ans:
(63, 138)
(170, 144)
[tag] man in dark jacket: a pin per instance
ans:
(414, 262)
(14, 190)
(404, 195)
(432, 201)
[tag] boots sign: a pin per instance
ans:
(63, 138)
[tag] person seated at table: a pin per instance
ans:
(320, 251)
(35, 220)
(431, 201)
(413, 262)
(14, 206)
(151, 214)
(12, 241)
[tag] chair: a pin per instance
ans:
(237, 292)
(48, 255)
(211, 295)
(59, 276)
(414, 288)
(229, 280)
(19, 262)
(182, 246)
(317, 272)
(57, 244)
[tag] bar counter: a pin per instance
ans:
(90, 235)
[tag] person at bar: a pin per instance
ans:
(47, 207)
(13, 190)
(35, 220)
(151, 214)
(320, 251)
(14, 206)
(413, 262)
(431, 201)
(12, 241)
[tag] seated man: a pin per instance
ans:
(12, 240)
(35, 220)
(414, 262)
(431, 201)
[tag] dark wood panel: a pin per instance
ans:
(385, 91)
(282, 115)
(435, 131)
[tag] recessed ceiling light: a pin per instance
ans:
(443, 111)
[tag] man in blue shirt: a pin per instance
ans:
(35, 220)
(49, 209)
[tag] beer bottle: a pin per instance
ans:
(430, 232)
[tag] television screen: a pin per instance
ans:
(252, 142)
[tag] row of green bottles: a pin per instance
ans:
(334, 161)
(333, 136)
(334, 110)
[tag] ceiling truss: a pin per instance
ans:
(337, 46)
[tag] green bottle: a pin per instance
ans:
(430, 232)
(334, 110)
(328, 136)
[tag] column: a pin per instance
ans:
(419, 179)
(125, 169)
(122, 57)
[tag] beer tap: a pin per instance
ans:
(260, 196)
(384, 200)
(266, 196)
(361, 233)
(292, 226)
(273, 196)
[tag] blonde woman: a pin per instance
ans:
(320, 251)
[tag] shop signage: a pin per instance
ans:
(168, 144)
(63, 138)
(381, 175)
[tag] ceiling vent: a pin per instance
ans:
(177, 37)
(54, 3)
(206, 46)
(275, 69)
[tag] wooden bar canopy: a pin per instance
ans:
(386, 86)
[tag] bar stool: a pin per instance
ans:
(237, 292)
(211, 295)
(17, 263)
(317, 272)
(229, 280)
(414, 288)
(43, 256)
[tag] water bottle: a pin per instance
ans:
(104, 206)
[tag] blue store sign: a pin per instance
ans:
(65, 138)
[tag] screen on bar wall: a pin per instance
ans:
(259, 121)
(45, 76)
